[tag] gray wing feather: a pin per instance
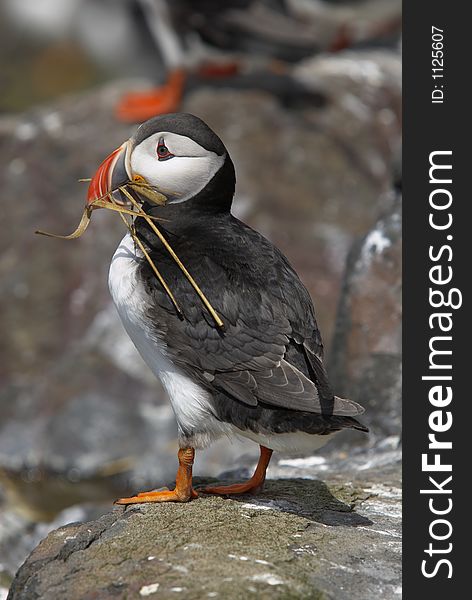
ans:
(265, 308)
(241, 385)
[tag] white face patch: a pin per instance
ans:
(180, 177)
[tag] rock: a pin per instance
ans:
(366, 357)
(301, 538)
(363, 111)
(19, 534)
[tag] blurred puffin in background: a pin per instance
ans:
(261, 375)
(249, 44)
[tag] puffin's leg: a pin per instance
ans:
(183, 491)
(253, 485)
(140, 106)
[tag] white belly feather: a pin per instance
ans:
(190, 401)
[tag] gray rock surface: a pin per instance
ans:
(335, 538)
(19, 535)
(366, 354)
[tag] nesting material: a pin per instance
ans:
(109, 202)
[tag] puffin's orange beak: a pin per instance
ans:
(110, 175)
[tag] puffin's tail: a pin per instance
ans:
(355, 424)
(347, 409)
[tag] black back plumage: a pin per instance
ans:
(266, 364)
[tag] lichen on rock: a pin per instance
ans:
(300, 538)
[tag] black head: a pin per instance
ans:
(180, 156)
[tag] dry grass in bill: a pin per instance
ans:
(143, 189)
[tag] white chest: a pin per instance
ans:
(190, 402)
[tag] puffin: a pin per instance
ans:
(212, 43)
(259, 373)
(247, 44)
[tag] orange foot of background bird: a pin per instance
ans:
(254, 484)
(183, 491)
(136, 107)
(140, 106)
(214, 70)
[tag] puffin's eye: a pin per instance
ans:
(163, 151)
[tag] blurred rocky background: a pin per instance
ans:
(316, 152)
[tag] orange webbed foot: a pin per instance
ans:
(140, 106)
(159, 496)
(249, 487)
(252, 486)
(183, 491)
